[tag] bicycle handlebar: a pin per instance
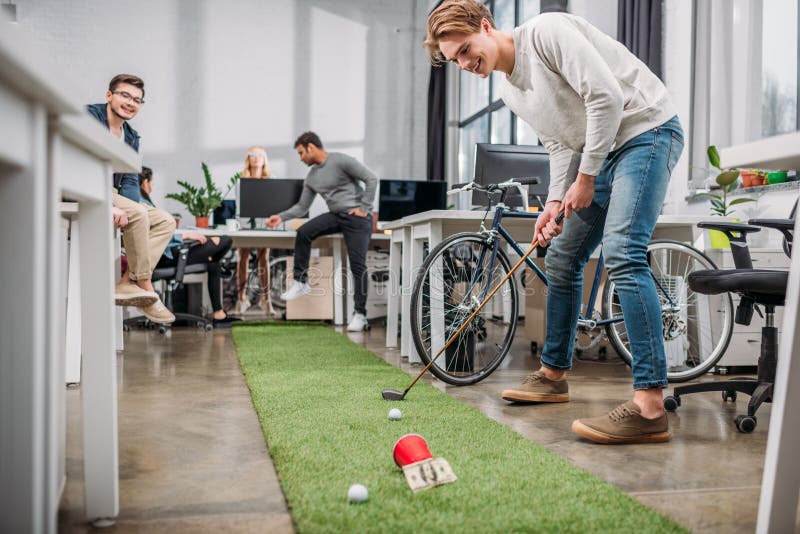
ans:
(511, 182)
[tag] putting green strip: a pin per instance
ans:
(318, 397)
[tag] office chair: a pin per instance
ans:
(174, 279)
(756, 287)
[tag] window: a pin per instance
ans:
(779, 68)
(746, 69)
(745, 76)
(477, 131)
(482, 116)
(501, 126)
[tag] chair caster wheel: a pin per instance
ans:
(208, 327)
(671, 403)
(126, 328)
(534, 348)
(745, 423)
(728, 396)
(162, 329)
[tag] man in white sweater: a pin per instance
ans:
(613, 138)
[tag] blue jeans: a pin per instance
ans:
(628, 195)
(129, 187)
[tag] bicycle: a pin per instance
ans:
(458, 274)
(277, 282)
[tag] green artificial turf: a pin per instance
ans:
(318, 396)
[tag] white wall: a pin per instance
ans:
(221, 76)
(601, 13)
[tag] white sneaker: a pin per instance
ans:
(358, 323)
(242, 306)
(296, 290)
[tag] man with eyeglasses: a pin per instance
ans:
(146, 230)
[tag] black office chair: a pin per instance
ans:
(174, 278)
(756, 287)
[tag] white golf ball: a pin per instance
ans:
(395, 414)
(357, 493)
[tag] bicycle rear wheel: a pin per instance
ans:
(454, 279)
(697, 328)
(277, 281)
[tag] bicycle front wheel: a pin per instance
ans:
(454, 279)
(697, 328)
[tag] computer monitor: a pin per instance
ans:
(400, 198)
(498, 163)
(226, 210)
(260, 197)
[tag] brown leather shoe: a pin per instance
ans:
(538, 388)
(623, 424)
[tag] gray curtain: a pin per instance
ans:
(553, 6)
(639, 28)
(437, 102)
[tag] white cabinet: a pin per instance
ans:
(378, 284)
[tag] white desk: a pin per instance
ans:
(342, 303)
(51, 148)
(409, 235)
(84, 156)
(777, 510)
(399, 286)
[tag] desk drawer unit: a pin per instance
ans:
(318, 304)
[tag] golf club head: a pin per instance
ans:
(392, 395)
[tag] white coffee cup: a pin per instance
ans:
(233, 225)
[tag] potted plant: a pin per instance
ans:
(777, 177)
(727, 181)
(753, 177)
(201, 201)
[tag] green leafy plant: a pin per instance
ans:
(727, 179)
(201, 201)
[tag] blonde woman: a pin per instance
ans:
(256, 165)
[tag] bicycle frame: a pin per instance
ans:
(498, 229)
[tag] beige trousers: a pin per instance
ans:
(145, 236)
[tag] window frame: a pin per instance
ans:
(494, 104)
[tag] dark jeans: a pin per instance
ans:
(211, 254)
(357, 232)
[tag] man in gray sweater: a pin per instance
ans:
(337, 177)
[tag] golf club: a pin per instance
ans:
(395, 395)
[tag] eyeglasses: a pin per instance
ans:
(129, 97)
(255, 155)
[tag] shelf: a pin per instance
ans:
(777, 152)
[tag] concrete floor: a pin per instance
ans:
(191, 453)
(193, 459)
